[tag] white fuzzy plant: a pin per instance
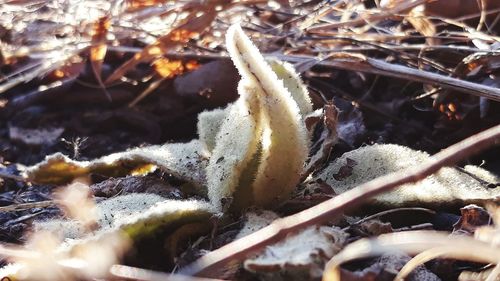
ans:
(256, 146)
(262, 144)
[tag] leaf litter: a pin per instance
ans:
(324, 144)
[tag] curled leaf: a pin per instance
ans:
(236, 144)
(265, 169)
(209, 122)
(293, 83)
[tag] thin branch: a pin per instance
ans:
(27, 206)
(123, 272)
(214, 262)
(391, 211)
(358, 62)
(6, 175)
(363, 19)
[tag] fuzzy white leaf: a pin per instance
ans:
(209, 124)
(236, 144)
(182, 160)
(293, 83)
(448, 186)
(284, 136)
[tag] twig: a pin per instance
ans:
(210, 264)
(383, 14)
(26, 206)
(123, 272)
(391, 211)
(12, 177)
(375, 66)
(357, 62)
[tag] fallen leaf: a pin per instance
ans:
(166, 68)
(346, 170)
(472, 217)
(202, 86)
(191, 27)
(306, 251)
(460, 8)
(256, 220)
(326, 141)
(386, 267)
(99, 48)
(136, 184)
(371, 228)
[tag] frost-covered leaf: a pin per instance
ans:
(448, 186)
(182, 160)
(306, 251)
(483, 174)
(110, 213)
(168, 213)
(210, 121)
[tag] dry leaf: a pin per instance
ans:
(472, 217)
(327, 140)
(387, 266)
(306, 251)
(255, 221)
(192, 26)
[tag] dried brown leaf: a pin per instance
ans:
(472, 217)
(190, 28)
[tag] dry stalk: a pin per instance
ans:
(375, 66)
